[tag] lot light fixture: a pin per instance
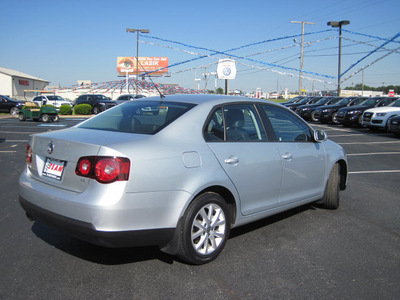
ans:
(339, 24)
(133, 30)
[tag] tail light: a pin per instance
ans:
(104, 169)
(28, 154)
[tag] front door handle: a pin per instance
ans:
(232, 160)
(287, 156)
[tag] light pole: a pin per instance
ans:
(132, 30)
(336, 24)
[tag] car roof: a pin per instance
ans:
(202, 99)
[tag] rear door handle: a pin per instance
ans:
(287, 156)
(232, 160)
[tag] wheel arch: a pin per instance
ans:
(173, 245)
(343, 173)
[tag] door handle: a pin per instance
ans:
(287, 156)
(232, 160)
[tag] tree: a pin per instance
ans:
(220, 91)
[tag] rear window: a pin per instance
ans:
(143, 117)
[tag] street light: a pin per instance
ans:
(339, 25)
(132, 30)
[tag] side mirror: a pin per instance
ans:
(320, 136)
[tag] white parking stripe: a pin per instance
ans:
(375, 172)
(368, 143)
(376, 153)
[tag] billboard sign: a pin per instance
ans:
(146, 64)
(226, 69)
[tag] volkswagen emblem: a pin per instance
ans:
(50, 148)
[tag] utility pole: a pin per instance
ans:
(301, 51)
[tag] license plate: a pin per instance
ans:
(53, 168)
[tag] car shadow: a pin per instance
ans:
(119, 256)
(94, 253)
(236, 232)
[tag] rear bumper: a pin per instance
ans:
(87, 232)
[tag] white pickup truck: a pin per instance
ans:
(55, 100)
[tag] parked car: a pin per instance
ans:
(348, 116)
(178, 172)
(128, 97)
(293, 100)
(8, 105)
(54, 100)
(98, 102)
(306, 100)
(327, 113)
(394, 125)
(378, 117)
(307, 111)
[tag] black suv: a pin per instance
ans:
(98, 102)
(352, 115)
(327, 113)
(307, 111)
(9, 105)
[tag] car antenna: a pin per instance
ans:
(161, 95)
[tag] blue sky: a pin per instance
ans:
(75, 40)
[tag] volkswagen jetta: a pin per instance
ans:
(178, 172)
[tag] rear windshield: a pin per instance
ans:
(139, 116)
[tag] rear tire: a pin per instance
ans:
(331, 196)
(205, 229)
(14, 111)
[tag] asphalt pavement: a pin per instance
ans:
(306, 253)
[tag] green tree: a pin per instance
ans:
(220, 91)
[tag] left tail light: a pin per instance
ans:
(28, 154)
(104, 169)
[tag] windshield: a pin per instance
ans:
(395, 103)
(344, 101)
(100, 97)
(371, 101)
(54, 98)
(143, 117)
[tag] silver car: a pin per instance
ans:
(178, 172)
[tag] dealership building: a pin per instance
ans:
(18, 85)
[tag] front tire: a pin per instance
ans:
(331, 196)
(313, 118)
(205, 229)
(333, 119)
(21, 117)
(45, 118)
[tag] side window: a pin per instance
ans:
(235, 123)
(214, 130)
(287, 126)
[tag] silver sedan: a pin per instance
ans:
(178, 172)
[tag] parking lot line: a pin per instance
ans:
(373, 153)
(368, 143)
(375, 172)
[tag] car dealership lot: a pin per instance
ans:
(308, 252)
